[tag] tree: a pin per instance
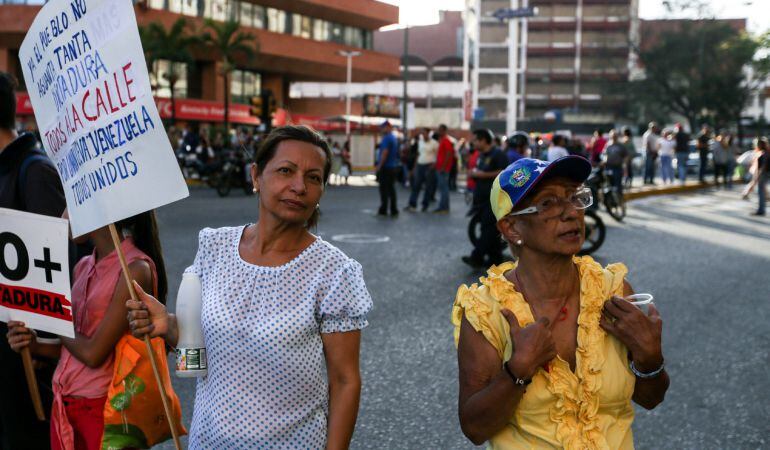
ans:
(172, 45)
(698, 70)
(229, 43)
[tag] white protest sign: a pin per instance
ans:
(87, 80)
(34, 272)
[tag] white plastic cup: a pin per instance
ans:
(191, 350)
(641, 301)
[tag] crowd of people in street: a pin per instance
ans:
(284, 309)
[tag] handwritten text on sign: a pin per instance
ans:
(34, 272)
(87, 79)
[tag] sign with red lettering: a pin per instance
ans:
(87, 81)
(34, 272)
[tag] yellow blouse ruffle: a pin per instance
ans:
(588, 409)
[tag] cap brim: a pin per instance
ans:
(572, 167)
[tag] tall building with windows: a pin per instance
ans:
(296, 40)
(432, 64)
(569, 62)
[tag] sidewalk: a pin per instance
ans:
(638, 189)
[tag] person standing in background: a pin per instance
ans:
(28, 182)
(759, 170)
(596, 146)
(488, 250)
(628, 141)
(444, 162)
(733, 150)
(617, 155)
(557, 150)
(682, 148)
(517, 146)
(387, 170)
(426, 159)
(666, 146)
(720, 147)
(650, 146)
(702, 144)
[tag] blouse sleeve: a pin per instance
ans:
(346, 302)
(483, 312)
(198, 266)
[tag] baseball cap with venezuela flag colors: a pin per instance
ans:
(520, 178)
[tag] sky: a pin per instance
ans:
(424, 12)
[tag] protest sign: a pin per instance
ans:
(87, 80)
(34, 272)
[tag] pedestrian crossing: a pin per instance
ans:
(715, 217)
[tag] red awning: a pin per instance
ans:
(205, 111)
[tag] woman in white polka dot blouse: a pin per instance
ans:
(282, 314)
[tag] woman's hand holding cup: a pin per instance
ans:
(639, 332)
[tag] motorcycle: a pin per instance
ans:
(604, 193)
(233, 173)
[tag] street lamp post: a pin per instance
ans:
(349, 54)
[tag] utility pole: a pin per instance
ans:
(405, 76)
(349, 55)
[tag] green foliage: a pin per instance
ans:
(226, 39)
(123, 436)
(698, 71)
(228, 42)
(174, 45)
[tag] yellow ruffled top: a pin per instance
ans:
(588, 409)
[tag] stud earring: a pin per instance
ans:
(254, 190)
(518, 242)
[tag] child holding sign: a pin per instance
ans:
(85, 368)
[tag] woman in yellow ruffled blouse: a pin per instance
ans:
(549, 353)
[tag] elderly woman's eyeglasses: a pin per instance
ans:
(554, 206)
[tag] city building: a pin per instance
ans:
(565, 69)
(295, 40)
(434, 75)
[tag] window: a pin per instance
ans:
(321, 30)
(259, 15)
(368, 40)
(157, 4)
(163, 73)
(353, 37)
(243, 85)
(301, 26)
(247, 14)
(276, 20)
(337, 33)
(216, 10)
(186, 7)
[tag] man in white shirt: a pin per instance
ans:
(650, 140)
(427, 149)
(557, 150)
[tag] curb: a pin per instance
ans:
(667, 190)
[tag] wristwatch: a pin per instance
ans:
(516, 380)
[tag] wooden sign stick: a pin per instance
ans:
(163, 395)
(34, 392)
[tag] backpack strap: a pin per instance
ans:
(21, 180)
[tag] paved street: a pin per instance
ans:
(701, 255)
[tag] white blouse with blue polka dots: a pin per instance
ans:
(266, 386)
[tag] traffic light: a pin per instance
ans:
(256, 106)
(268, 107)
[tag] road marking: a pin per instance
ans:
(361, 238)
